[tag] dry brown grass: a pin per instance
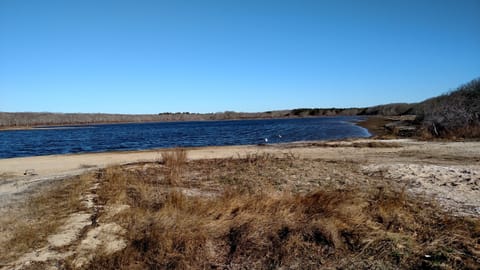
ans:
(252, 223)
(356, 144)
(6, 176)
(376, 144)
(27, 226)
(174, 160)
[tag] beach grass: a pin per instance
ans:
(244, 215)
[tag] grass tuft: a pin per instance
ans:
(174, 160)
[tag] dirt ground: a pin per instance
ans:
(447, 172)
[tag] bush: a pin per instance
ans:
(455, 114)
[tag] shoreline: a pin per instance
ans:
(81, 125)
(17, 165)
(406, 161)
(365, 123)
(375, 125)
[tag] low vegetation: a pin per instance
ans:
(27, 226)
(251, 213)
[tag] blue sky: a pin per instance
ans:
(142, 56)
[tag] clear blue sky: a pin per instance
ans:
(155, 56)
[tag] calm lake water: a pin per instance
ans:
(100, 138)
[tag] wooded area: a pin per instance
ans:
(31, 119)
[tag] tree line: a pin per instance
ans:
(33, 119)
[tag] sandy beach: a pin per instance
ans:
(448, 170)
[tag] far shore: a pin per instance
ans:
(74, 125)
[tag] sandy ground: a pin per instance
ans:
(448, 169)
(449, 172)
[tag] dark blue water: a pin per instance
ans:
(100, 138)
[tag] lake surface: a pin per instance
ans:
(115, 137)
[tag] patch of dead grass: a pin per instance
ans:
(28, 226)
(6, 175)
(251, 223)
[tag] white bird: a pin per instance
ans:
(266, 139)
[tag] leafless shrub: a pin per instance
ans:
(456, 114)
(393, 109)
